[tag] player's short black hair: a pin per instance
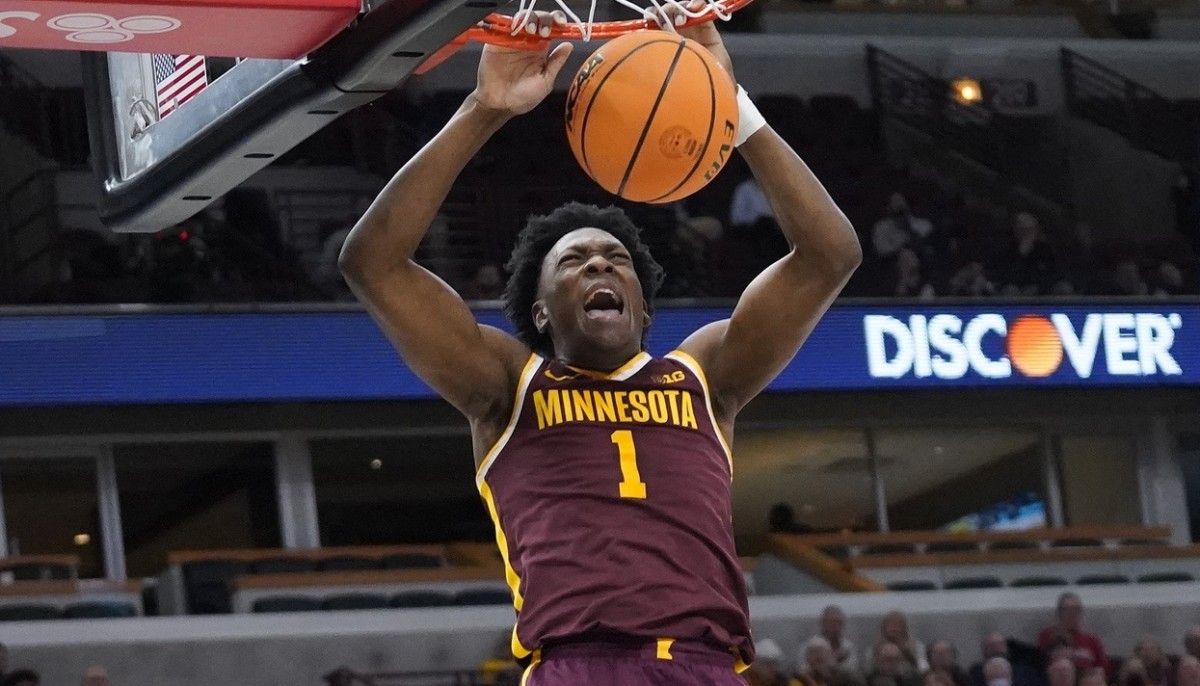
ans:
(539, 236)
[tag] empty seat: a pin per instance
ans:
(355, 601)
(283, 565)
(99, 610)
(951, 547)
(286, 603)
(973, 582)
(906, 586)
(1013, 545)
(28, 613)
(1165, 578)
(1038, 581)
(348, 563)
(422, 599)
(1102, 579)
(483, 596)
(41, 571)
(890, 549)
(412, 561)
(207, 584)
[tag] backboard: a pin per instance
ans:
(155, 171)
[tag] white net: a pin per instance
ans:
(654, 12)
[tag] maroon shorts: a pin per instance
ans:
(616, 664)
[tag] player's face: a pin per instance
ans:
(590, 299)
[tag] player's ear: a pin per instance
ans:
(541, 317)
(646, 318)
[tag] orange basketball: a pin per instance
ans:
(652, 116)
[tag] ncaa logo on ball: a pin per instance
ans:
(678, 141)
(580, 79)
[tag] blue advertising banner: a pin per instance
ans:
(341, 355)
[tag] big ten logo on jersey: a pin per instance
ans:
(670, 407)
(584, 75)
(728, 133)
(946, 346)
(674, 377)
(93, 28)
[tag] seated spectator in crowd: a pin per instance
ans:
(1132, 673)
(1158, 667)
(1093, 677)
(907, 279)
(898, 229)
(943, 658)
(766, 669)
(1061, 672)
(687, 258)
(749, 204)
(997, 671)
(95, 676)
(972, 281)
(1087, 650)
(1027, 265)
(1191, 642)
(821, 666)
(893, 628)
(487, 284)
(752, 220)
(1080, 266)
(1168, 281)
(889, 667)
(1061, 647)
(21, 677)
(993, 646)
(1188, 673)
(782, 520)
(1127, 279)
(833, 630)
(936, 678)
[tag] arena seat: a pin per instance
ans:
(41, 567)
(282, 565)
(206, 584)
(99, 610)
(355, 601)
(1165, 578)
(482, 596)
(907, 586)
(973, 582)
(347, 563)
(951, 546)
(291, 603)
(1038, 582)
(422, 599)
(1013, 545)
(1102, 579)
(28, 613)
(412, 561)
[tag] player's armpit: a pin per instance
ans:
(474, 367)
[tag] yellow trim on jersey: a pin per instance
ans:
(739, 665)
(664, 649)
(522, 385)
(691, 363)
(621, 373)
(537, 657)
(510, 574)
(519, 651)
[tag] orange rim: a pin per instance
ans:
(496, 29)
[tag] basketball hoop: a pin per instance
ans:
(505, 30)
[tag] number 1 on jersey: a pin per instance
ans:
(632, 485)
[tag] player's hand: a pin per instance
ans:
(513, 81)
(704, 33)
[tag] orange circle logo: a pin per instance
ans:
(1034, 346)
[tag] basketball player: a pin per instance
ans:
(606, 472)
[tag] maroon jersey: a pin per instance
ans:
(611, 495)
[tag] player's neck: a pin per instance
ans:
(598, 360)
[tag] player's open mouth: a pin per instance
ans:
(603, 303)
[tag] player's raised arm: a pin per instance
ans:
(472, 366)
(779, 309)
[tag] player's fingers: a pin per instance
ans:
(556, 60)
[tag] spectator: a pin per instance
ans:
(1087, 650)
(21, 677)
(893, 628)
(943, 658)
(782, 519)
(687, 258)
(751, 216)
(1133, 673)
(1158, 667)
(1027, 266)
(1079, 269)
(1127, 279)
(821, 667)
(936, 678)
(889, 667)
(1188, 673)
(1061, 672)
(765, 670)
(899, 228)
(1093, 677)
(995, 645)
(1191, 642)
(833, 630)
(971, 281)
(1168, 281)
(487, 284)
(749, 205)
(95, 676)
(328, 277)
(997, 671)
(907, 280)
